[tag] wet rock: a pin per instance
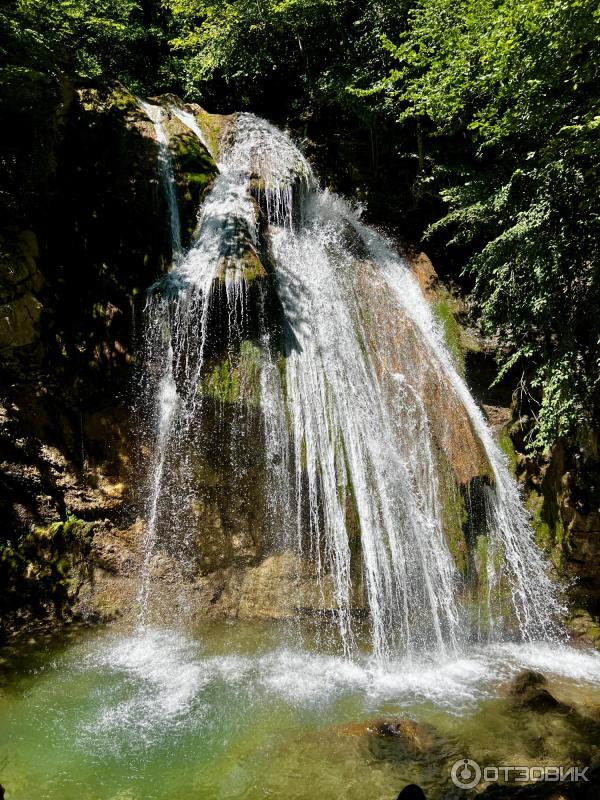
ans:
(564, 497)
(279, 587)
(528, 691)
(112, 549)
(216, 128)
(403, 740)
(405, 367)
(194, 170)
(407, 372)
(584, 626)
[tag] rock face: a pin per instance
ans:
(563, 494)
(79, 242)
(571, 500)
(77, 253)
(21, 282)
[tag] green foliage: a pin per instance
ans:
(245, 42)
(88, 38)
(520, 79)
(307, 50)
(39, 570)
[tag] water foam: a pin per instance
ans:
(170, 682)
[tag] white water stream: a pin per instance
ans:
(334, 427)
(356, 397)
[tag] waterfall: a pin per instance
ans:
(365, 420)
(159, 352)
(167, 180)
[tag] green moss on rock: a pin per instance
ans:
(454, 514)
(548, 529)
(452, 331)
(195, 171)
(251, 267)
(211, 126)
(505, 443)
(454, 520)
(235, 380)
(40, 571)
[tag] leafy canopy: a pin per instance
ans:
(520, 79)
(495, 105)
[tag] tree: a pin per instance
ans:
(520, 79)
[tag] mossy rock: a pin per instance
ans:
(458, 340)
(237, 379)
(19, 322)
(505, 443)
(40, 572)
(214, 127)
(246, 266)
(194, 170)
(548, 529)
(109, 97)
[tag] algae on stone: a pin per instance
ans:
(548, 529)
(194, 170)
(235, 378)
(41, 569)
(505, 443)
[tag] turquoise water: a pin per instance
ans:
(232, 711)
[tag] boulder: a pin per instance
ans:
(528, 691)
(404, 740)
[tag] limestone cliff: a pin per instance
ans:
(80, 242)
(77, 256)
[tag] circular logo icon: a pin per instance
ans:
(465, 773)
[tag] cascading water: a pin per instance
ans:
(294, 378)
(349, 377)
(166, 392)
(165, 166)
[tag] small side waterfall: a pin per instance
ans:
(159, 353)
(165, 166)
(370, 438)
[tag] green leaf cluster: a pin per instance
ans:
(519, 80)
(85, 39)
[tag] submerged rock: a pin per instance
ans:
(528, 691)
(404, 740)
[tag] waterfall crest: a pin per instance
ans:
(301, 329)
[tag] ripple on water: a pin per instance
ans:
(173, 715)
(161, 679)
